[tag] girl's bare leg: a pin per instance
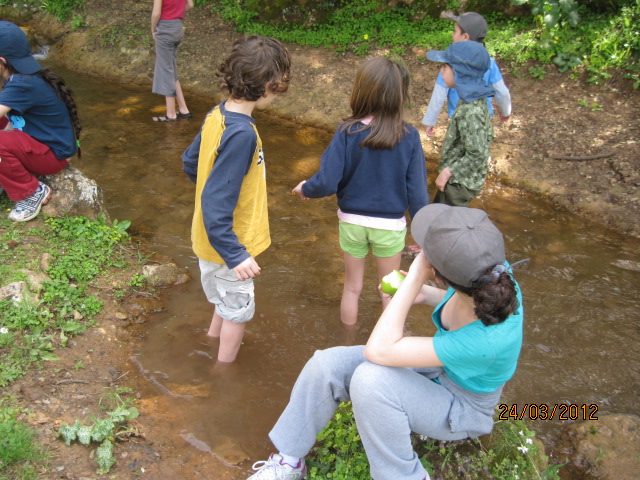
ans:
(171, 107)
(354, 278)
(386, 265)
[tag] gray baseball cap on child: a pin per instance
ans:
(472, 23)
(14, 46)
(460, 242)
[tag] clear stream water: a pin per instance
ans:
(582, 338)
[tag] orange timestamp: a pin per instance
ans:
(542, 411)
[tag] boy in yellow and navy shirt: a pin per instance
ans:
(230, 222)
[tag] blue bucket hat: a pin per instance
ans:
(470, 61)
(15, 48)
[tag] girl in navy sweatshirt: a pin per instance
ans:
(376, 167)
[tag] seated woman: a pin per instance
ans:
(444, 387)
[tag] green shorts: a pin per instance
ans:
(356, 240)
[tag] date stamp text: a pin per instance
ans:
(542, 411)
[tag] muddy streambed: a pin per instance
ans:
(582, 338)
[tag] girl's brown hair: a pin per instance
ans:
(380, 90)
(253, 63)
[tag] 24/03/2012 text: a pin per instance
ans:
(542, 411)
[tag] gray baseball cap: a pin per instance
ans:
(472, 23)
(460, 242)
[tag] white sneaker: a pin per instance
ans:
(28, 208)
(275, 469)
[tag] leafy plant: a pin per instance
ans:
(61, 9)
(510, 451)
(340, 453)
(551, 12)
(79, 250)
(106, 430)
(538, 72)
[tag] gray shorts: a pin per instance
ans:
(234, 299)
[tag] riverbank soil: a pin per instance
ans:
(574, 143)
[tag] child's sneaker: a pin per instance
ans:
(275, 469)
(26, 209)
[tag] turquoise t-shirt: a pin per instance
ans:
(479, 358)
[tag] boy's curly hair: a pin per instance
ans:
(255, 64)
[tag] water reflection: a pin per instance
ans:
(582, 339)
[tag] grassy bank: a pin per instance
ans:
(56, 274)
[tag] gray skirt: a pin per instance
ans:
(168, 36)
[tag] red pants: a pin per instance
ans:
(21, 158)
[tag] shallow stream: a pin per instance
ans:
(582, 327)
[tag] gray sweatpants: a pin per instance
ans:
(167, 38)
(388, 404)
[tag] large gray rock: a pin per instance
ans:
(74, 194)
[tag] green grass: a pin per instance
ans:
(600, 46)
(78, 251)
(20, 452)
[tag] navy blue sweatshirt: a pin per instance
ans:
(374, 183)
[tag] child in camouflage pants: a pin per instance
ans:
(465, 151)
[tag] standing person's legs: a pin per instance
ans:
(355, 245)
(234, 306)
(317, 393)
(165, 75)
(353, 281)
(388, 404)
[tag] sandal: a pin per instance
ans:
(163, 118)
(184, 115)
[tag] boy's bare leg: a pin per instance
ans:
(216, 325)
(386, 265)
(353, 280)
(230, 340)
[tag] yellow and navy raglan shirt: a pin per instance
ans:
(225, 160)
